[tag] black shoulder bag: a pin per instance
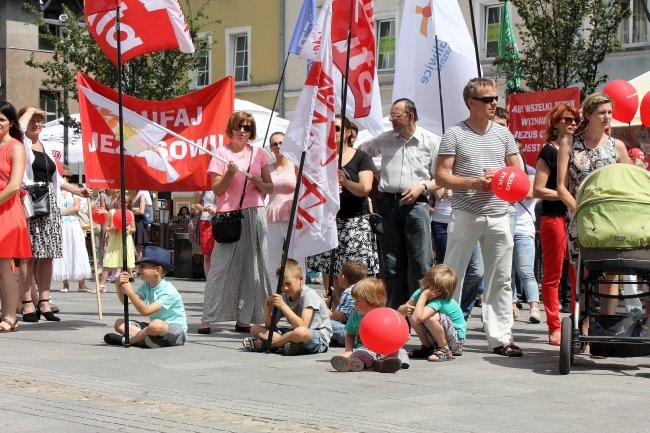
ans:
(40, 195)
(226, 226)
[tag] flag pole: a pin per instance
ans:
(125, 298)
(275, 101)
(442, 111)
(93, 247)
(344, 101)
(478, 60)
(285, 246)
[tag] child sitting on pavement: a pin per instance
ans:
(310, 329)
(157, 298)
(351, 273)
(436, 318)
(368, 294)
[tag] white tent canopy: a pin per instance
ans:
(642, 86)
(52, 134)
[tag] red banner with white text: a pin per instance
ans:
(528, 116)
(200, 116)
(145, 27)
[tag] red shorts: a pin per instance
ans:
(205, 236)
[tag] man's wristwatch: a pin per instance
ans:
(424, 184)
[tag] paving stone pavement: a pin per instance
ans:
(61, 377)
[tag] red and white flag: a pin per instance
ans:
(363, 101)
(141, 135)
(154, 159)
(145, 26)
(312, 131)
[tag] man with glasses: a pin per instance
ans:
(407, 166)
(470, 153)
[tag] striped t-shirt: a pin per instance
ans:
(473, 152)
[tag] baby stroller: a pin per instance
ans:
(613, 222)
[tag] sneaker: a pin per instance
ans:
(293, 349)
(389, 365)
(534, 315)
(113, 339)
(344, 363)
(154, 342)
(515, 313)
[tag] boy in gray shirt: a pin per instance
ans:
(310, 328)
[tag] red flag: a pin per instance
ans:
(145, 27)
(200, 116)
(92, 7)
(358, 16)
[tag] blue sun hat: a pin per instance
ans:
(157, 256)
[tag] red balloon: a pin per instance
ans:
(645, 110)
(117, 218)
(98, 216)
(625, 98)
(384, 330)
(510, 184)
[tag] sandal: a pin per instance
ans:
(508, 350)
(13, 326)
(421, 353)
(441, 355)
(249, 344)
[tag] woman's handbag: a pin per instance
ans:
(376, 224)
(40, 196)
(226, 227)
(84, 220)
(193, 229)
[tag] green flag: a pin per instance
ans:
(508, 47)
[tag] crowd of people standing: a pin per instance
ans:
(434, 197)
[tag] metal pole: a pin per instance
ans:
(122, 174)
(478, 60)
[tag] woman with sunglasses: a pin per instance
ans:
(561, 123)
(13, 227)
(238, 282)
(278, 209)
(592, 148)
(44, 232)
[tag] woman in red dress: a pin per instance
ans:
(14, 236)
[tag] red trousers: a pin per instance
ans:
(552, 233)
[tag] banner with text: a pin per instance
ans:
(200, 116)
(528, 115)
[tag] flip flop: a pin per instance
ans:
(509, 350)
(249, 344)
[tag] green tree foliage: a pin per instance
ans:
(563, 42)
(156, 76)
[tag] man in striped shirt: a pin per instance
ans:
(407, 165)
(470, 153)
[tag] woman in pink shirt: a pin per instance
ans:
(238, 282)
(278, 210)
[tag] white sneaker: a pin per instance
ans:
(515, 313)
(534, 315)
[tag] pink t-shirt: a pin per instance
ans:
(284, 185)
(229, 200)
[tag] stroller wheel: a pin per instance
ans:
(566, 355)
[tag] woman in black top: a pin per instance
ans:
(561, 123)
(44, 232)
(356, 241)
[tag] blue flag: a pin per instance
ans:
(303, 26)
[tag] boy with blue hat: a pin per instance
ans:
(157, 298)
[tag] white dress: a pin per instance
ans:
(74, 265)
